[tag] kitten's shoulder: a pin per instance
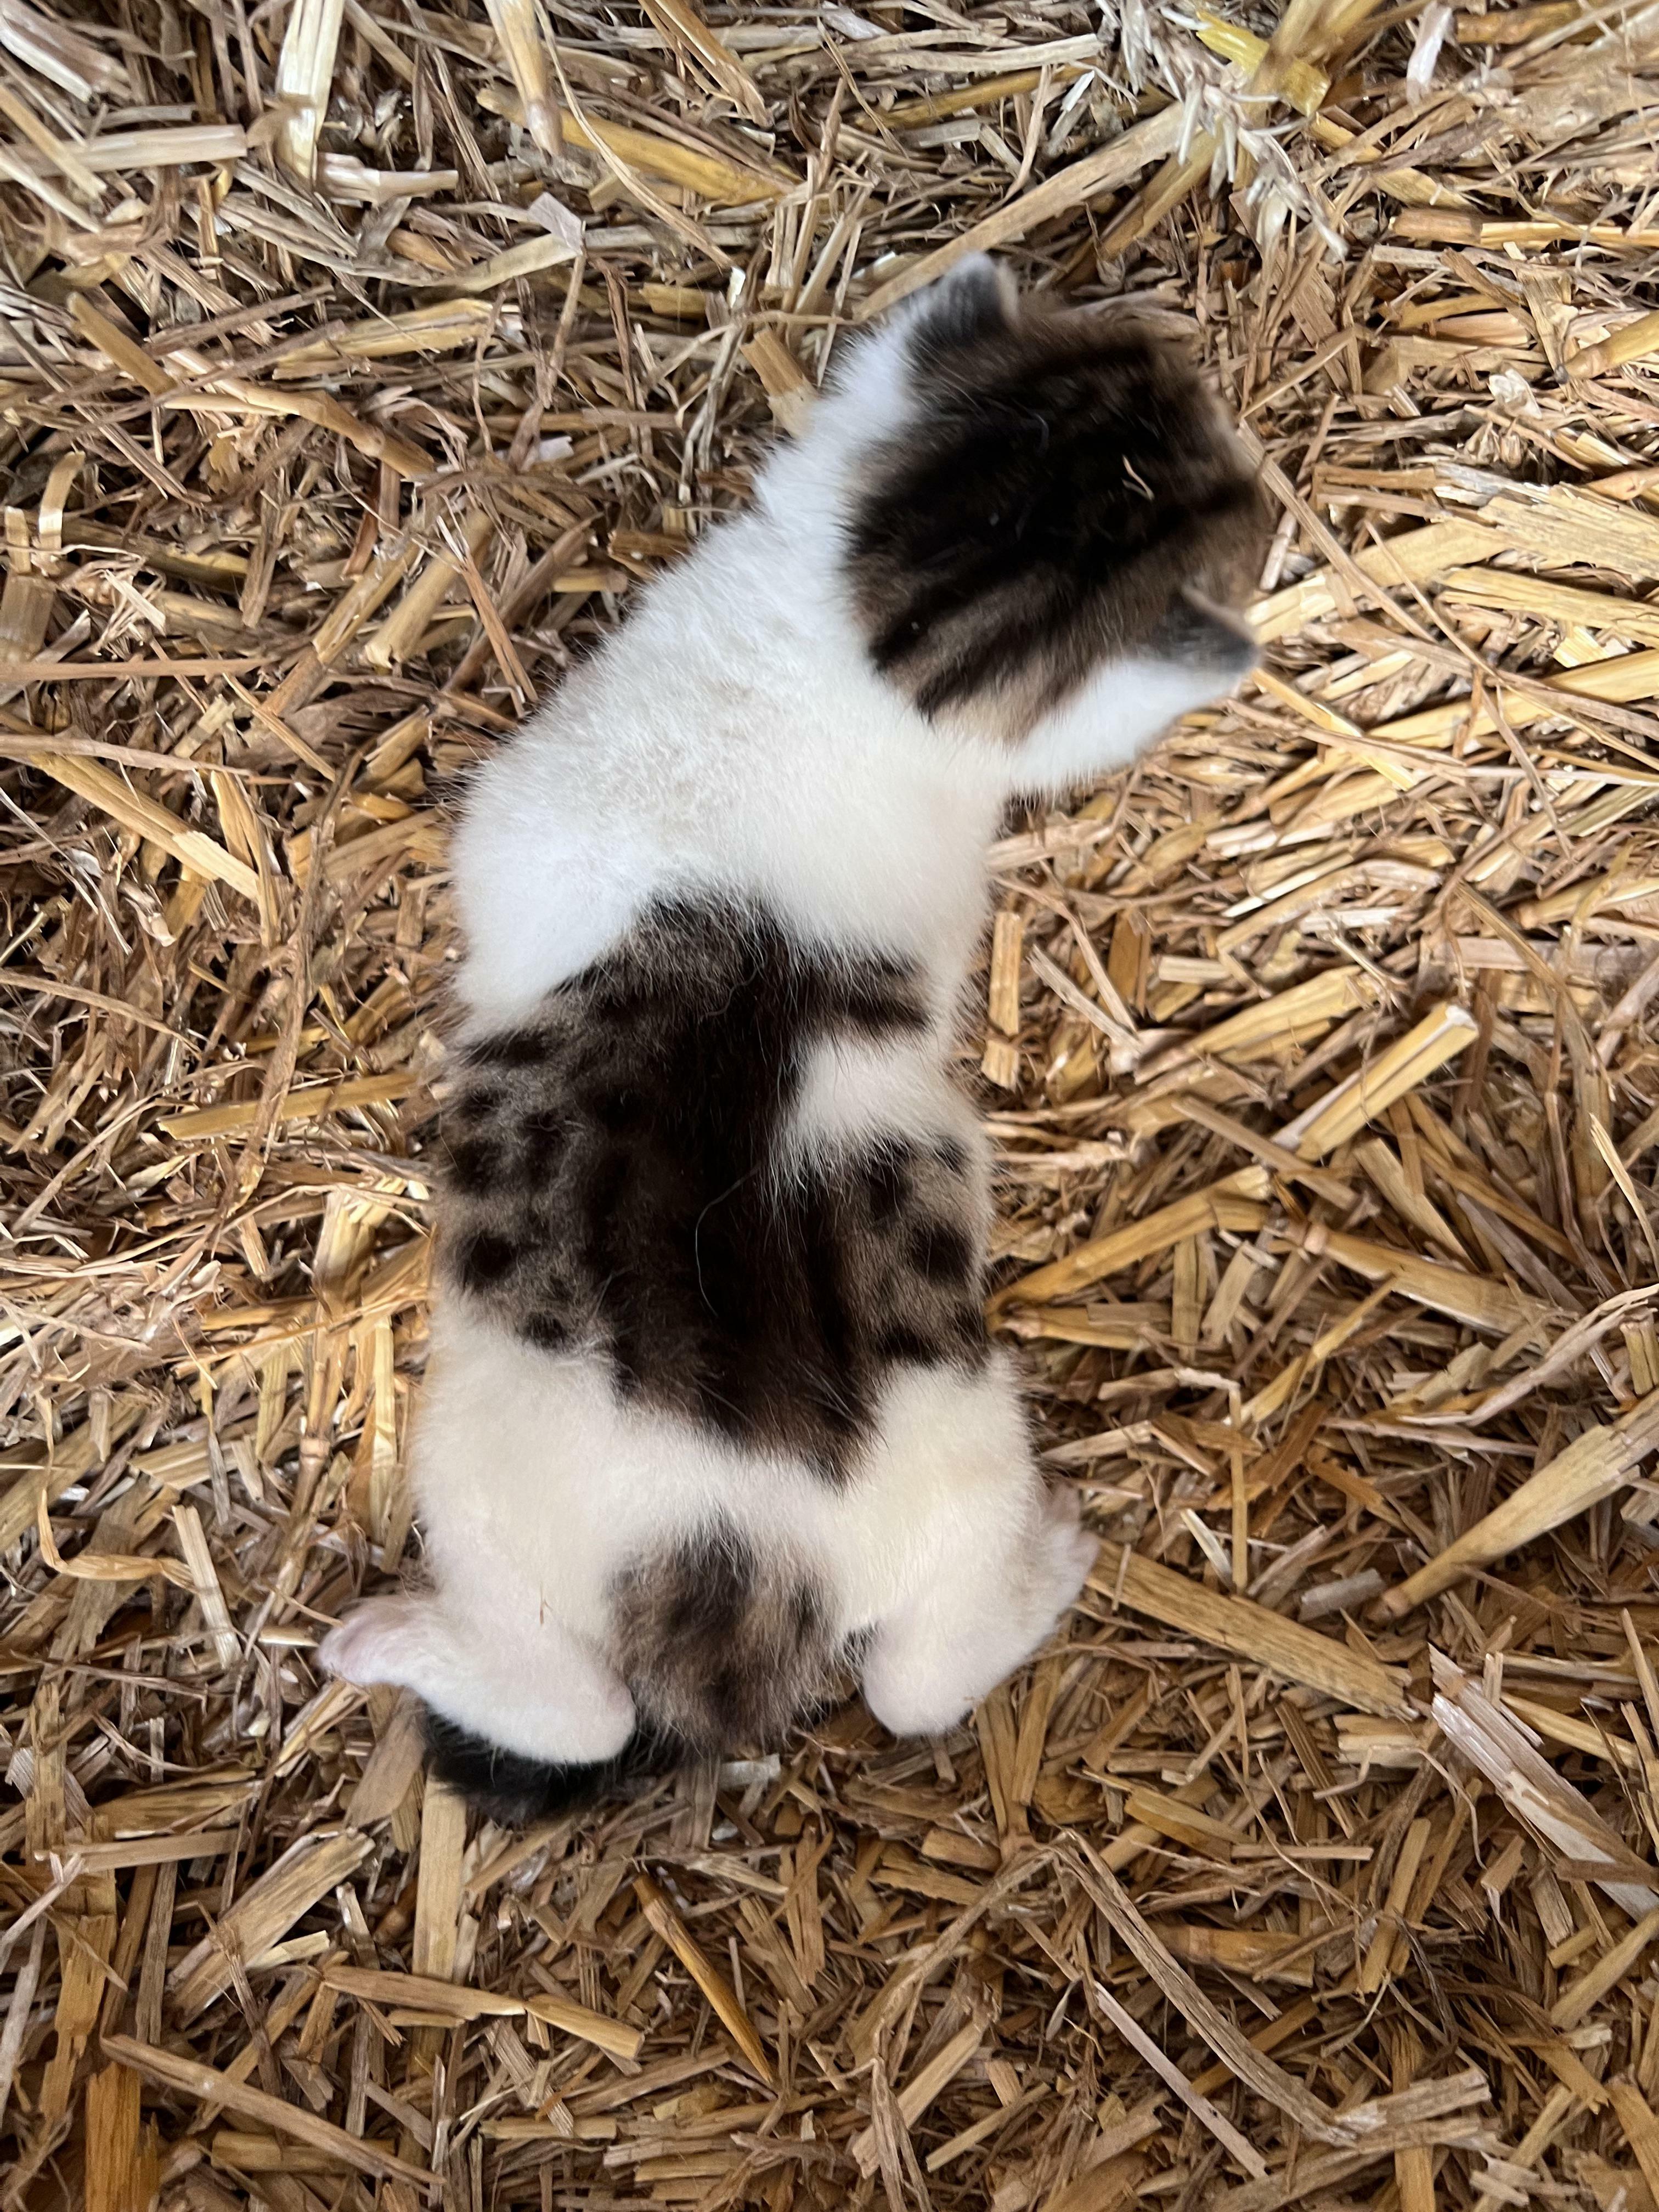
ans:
(549, 867)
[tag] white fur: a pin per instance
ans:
(854, 1091)
(535, 1484)
(736, 740)
(1107, 720)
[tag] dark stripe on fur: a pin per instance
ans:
(723, 1654)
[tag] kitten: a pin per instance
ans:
(711, 1413)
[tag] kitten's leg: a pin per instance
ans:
(533, 1688)
(987, 1607)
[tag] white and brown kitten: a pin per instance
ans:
(711, 1412)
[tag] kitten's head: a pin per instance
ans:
(1052, 526)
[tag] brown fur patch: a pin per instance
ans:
(718, 1649)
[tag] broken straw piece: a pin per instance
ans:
(1591, 1467)
(1508, 1755)
(517, 24)
(305, 76)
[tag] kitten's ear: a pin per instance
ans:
(975, 300)
(1210, 640)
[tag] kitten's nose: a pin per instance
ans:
(1201, 633)
(1233, 642)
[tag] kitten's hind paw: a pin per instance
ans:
(547, 1696)
(379, 1641)
(1067, 1550)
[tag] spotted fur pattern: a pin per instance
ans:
(619, 1186)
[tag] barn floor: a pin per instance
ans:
(357, 364)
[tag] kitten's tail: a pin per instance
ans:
(516, 1791)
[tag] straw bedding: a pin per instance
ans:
(358, 362)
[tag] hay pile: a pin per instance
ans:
(357, 362)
